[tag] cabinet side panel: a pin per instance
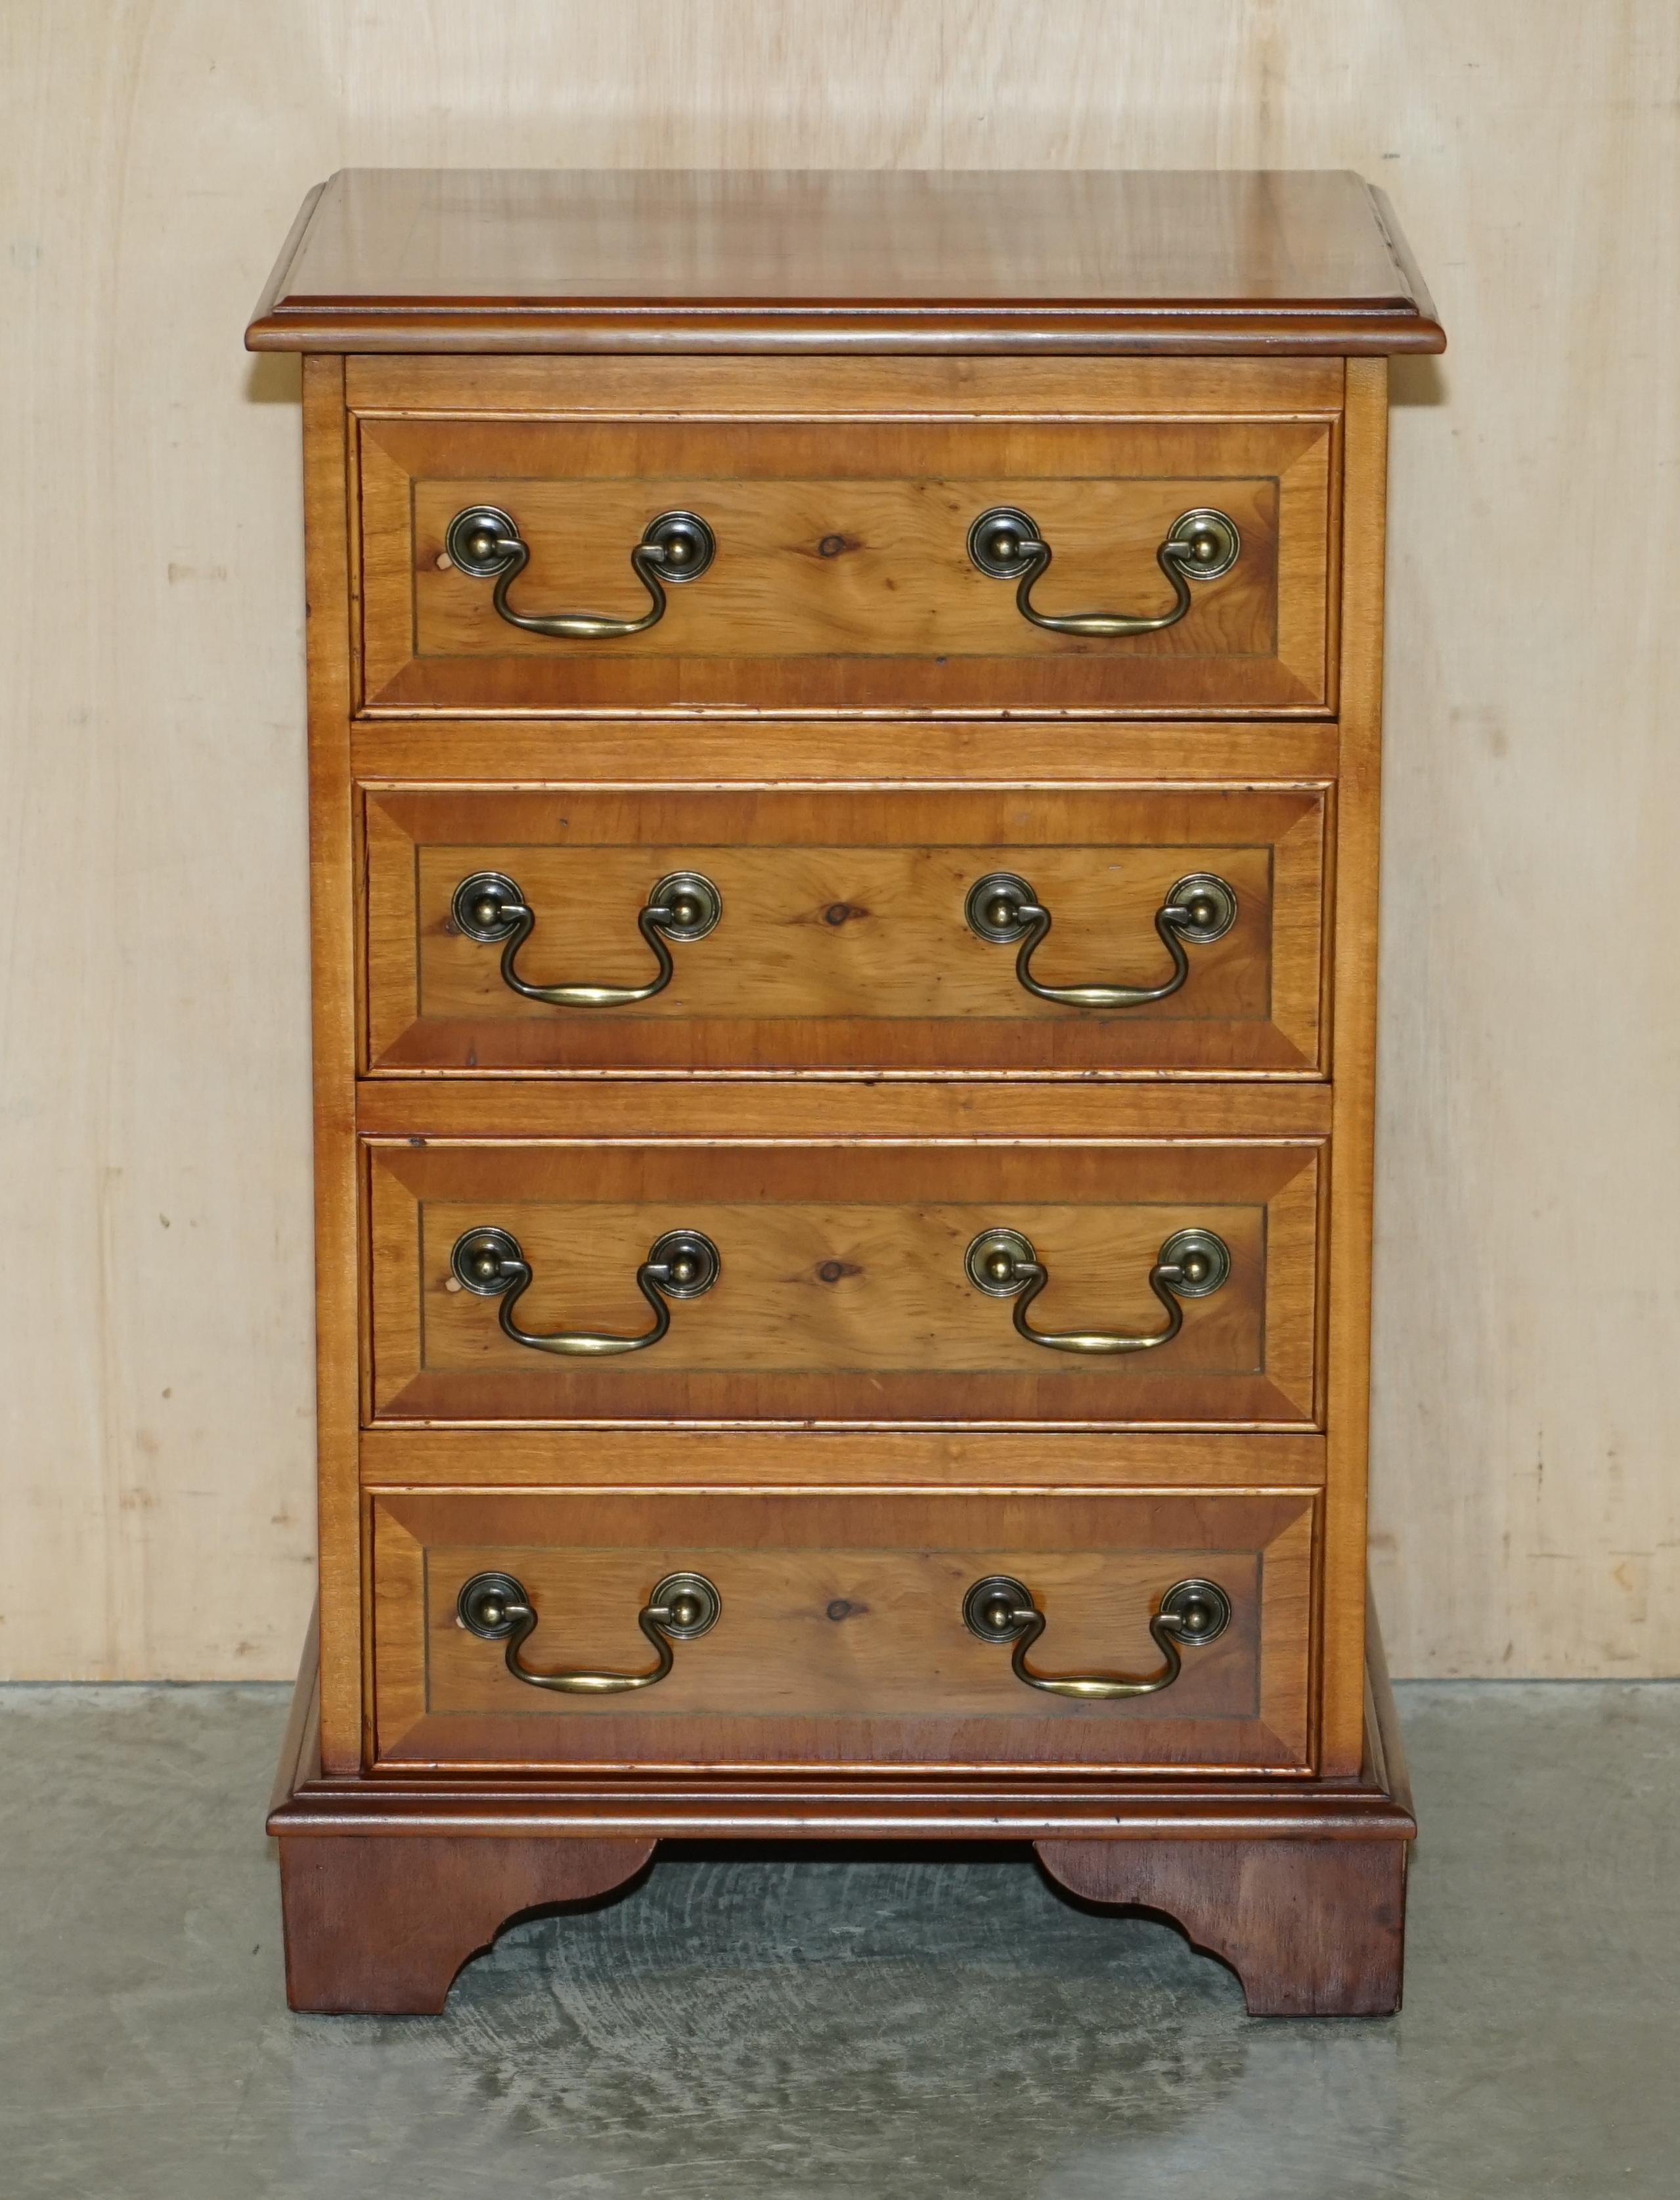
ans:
(333, 935)
(1347, 1342)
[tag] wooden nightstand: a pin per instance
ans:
(844, 733)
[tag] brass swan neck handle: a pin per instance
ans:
(1003, 910)
(488, 906)
(1191, 1264)
(1005, 545)
(484, 543)
(1000, 1609)
(494, 1607)
(682, 1265)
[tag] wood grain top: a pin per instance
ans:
(456, 259)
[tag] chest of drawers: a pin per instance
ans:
(844, 733)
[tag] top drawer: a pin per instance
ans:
(847, 565)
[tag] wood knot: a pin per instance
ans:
(842, 1607)
(836, 1272)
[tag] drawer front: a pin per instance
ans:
(855, 1282)
(830, 1628)
(840, 576)
(850, 930)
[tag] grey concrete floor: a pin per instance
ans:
(907, 2027)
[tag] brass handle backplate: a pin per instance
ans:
(682, 1265)
(1000, 1609)
(1003, 910)
(1005, 545)
(496, 1608)
(484, 543)
(489, 906)
(1191, 1264)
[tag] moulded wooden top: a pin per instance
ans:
(415, 259)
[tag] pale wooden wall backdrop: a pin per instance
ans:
(154, 1169)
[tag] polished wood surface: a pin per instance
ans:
(1346, 1303)
(395, 1884)
(842, 1295)
(858, 753)
(739, 1458)
(842, 1087)
(487, 260)
(1027, 385)
(369, 1930)
(335, 887)
(705, 1106)
(840, 1638)
(1314, 1926)
(843, 942)
(842, 579)
(1311, 1928)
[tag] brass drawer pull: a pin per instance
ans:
(484, 543)
(999, 1609)
(1191, 1265)
(496, 1608)
(680, 1265)
(1002, 908)
(489, 906)
(1004, 544)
